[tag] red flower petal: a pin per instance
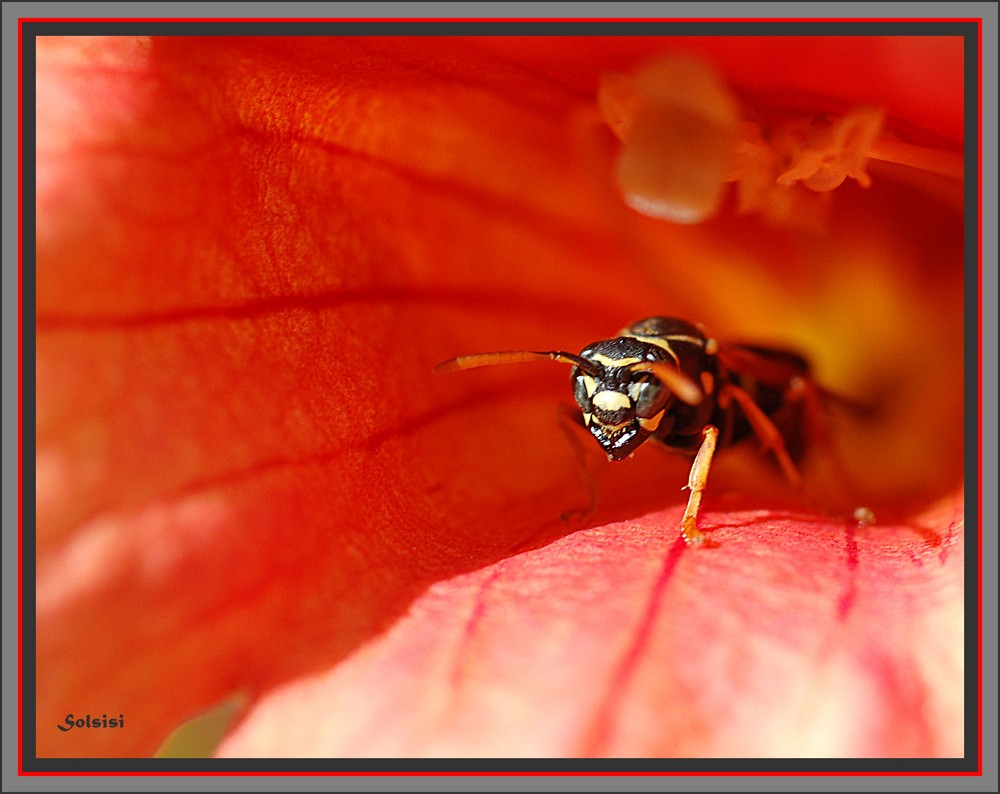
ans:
(250, 254)
(792, 639)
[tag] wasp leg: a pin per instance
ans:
(768, 435)
(571, 424)
(817, 432)
(697, 479)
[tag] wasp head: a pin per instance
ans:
(625, 387)
(622, 406)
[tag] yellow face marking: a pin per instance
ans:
(603, 360)
(711, 347)
(707, 382)
(611, 400)
(652, 423)
(590, 385)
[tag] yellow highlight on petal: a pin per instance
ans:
(200, 736)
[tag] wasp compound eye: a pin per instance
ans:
(650, 397)
(584, 388)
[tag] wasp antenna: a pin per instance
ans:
(514, 357)
(681, 385)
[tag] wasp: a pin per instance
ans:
(666, 379)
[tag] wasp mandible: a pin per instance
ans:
(666, 379)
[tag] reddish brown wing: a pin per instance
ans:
(804, 412)
(774, 367)
(779, 367)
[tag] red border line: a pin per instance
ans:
(979, 352)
